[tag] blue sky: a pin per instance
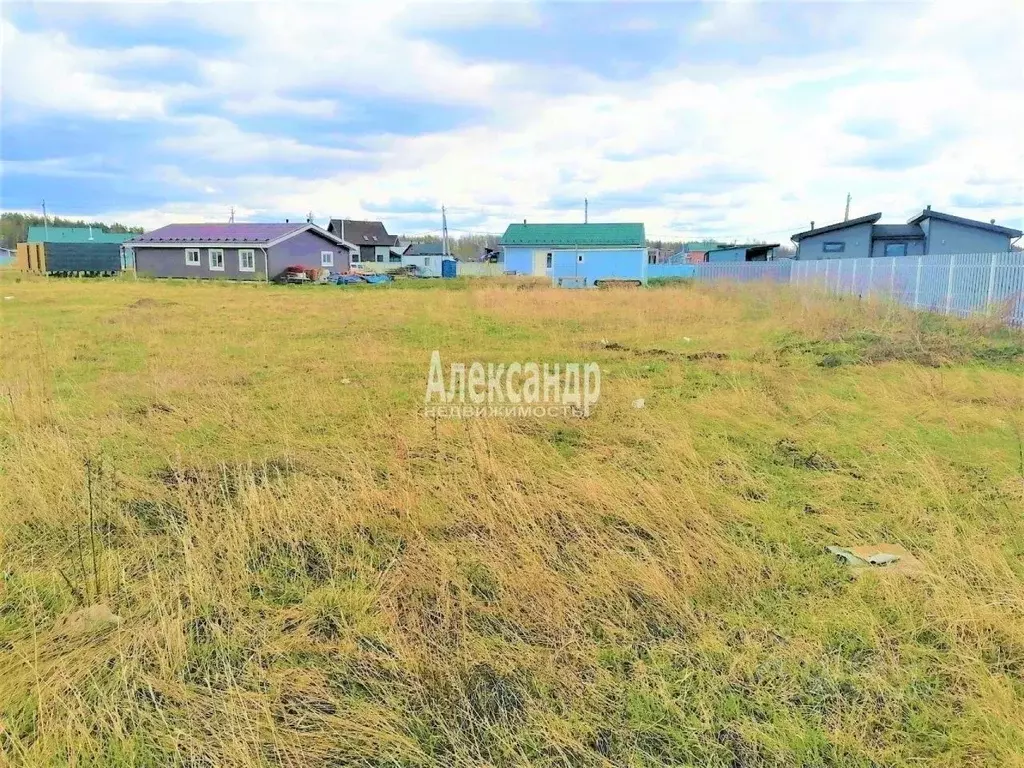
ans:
(728, 119)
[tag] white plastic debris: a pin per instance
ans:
(686, 339)
(638, 403)
(8, 298)
(346, 381)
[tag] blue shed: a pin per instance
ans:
(582, 253)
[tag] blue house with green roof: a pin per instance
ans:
(584, 254)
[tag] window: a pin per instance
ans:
(895, 249)
(246, 260)
(426, 261)
(355, 257)
(192, 257)
(216, 256)
(326, 258)
(380, 256)
(579, 258)
(833, 247)
(394, 257)
(547, 263)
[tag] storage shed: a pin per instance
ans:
(584, 254)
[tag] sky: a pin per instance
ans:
(733, 120)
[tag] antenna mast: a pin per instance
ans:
(586, 210)
(846, 216)
(231, 217)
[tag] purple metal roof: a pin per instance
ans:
(217, 233)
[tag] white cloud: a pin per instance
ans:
(748, 151)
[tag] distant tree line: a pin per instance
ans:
(14, 226)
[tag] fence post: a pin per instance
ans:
(949, 284)
(991, 283)
(853, 279)
(917, 281)
(892, 276)
(871, 276)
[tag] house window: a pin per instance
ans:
(395, 257)
(579, 258)
(380, 256)
(355, 257)
(326, 258)
(833, 247)
(895, 249)
(216, 256)
(548, 260)
(246, 260)
(426, 261)
(192, 257)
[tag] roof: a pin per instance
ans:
(41, 234)
(928, 213)
(219, 233)
(572, 235)
(744, 247)
(897, 232)
(425, 249)
(871, 218)
(362, 232)
(701, 245)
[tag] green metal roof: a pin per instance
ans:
(40, 234)
(572, 235)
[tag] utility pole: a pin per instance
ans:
(586, 210)
(444, 233)
(46, 231)
(846, 216)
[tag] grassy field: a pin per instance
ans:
(304, 571)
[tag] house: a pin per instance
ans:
(751, 252)
(426, 257)
(928, 233)
(57, 250)
(587, 253)
(375, 245)
(6, 257)
(694, 252)
(238, 251)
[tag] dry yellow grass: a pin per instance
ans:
(307, 572)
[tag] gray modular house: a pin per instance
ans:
(926, 234)
(237, 251)
(375, 245)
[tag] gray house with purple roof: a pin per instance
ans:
(238, 251)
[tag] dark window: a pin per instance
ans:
(394, 257)
(833, 247)
(548, 262)
(895, 249)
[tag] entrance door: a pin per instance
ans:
(540, 263)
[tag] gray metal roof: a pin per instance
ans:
(928, 213)
(897, 232)
(871, 218)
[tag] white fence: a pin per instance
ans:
(960, 284)
(745, 271)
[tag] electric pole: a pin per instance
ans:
(46, 231)
(846, 216)
(231, 217)
(444, 234)
(586, 210)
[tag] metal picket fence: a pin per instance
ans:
(959, 284)
(745, 271)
